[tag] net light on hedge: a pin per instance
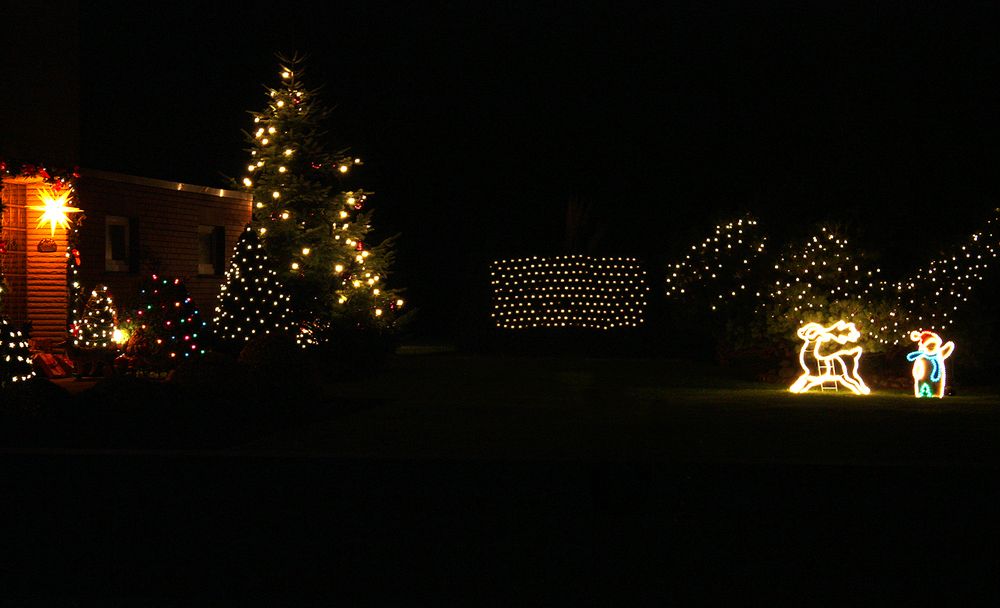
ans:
(568, 291)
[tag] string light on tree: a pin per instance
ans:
(252, 300)
(96, 326)
(315, 232)
(166, 327)
(15, 357)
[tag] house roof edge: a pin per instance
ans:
(165, 184)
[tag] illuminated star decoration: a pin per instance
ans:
(54, 209)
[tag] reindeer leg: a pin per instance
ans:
(800, 384)
(845, 378)
(856, 376)
(850, 377)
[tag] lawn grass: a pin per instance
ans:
(448, 405)
(457, 406)
(472, 477)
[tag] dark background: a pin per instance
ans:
(480, 122)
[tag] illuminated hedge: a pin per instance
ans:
(823, 279)
(568, 291)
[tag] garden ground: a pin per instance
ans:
(486, 480)
(460, 407)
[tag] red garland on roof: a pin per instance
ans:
(56, 178)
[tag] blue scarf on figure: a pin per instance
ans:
(934, 359)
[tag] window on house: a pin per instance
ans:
(211, 249)
(117, 244)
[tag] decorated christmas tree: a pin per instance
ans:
(251, 301)
(96, 326)
(15, 359)
(166, 328)
(314, 228)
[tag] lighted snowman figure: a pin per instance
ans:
(928, 363)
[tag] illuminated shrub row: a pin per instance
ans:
(949, 279)
(568, 291)
(822, 279)
(724, 260)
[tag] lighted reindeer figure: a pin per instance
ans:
(840, 366)
(929, 380)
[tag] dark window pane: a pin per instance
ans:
(219, 249)
(119, 244)
(211, 249)
(205, 247)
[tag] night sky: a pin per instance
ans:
(478, 123)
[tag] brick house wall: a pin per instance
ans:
(163, 222)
